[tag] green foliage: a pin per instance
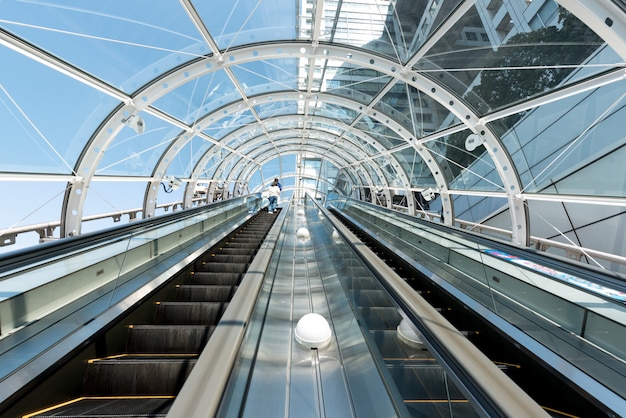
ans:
(532, 63)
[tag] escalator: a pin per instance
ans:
(145, 378)
(423, 386)
(421, 381)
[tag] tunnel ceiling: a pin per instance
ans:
(104, 102)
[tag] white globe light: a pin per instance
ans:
(302, 233)
(312, 331)
(408, 335)
(300, 212)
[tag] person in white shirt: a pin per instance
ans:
(273, 193)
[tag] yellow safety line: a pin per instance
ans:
(517, 366)
(93, 360)
(83, 398)
(560, 412)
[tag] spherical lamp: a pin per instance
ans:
(312, 331)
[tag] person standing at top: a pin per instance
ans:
(273, 193)
(278, 184)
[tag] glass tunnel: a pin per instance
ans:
(500, 117)
(476, 146)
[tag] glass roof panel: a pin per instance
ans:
(558, 138)
(357, 23)
(529, 63)
(215, 158)
(131, 154)
(359, 84)
(414, 166)
(188, 157)
(47, 119)
(420, 113)
(123, 43)
(379, 131)
(112, 196)
(36, 202)
(473, 208)
(267, 76)
(362, 143)
(465, 170)
(328, 127)
(249, 21)
(199, 97)
(244, 136)
(276, 108)
(333, 111)
(419, 23)
(228, 124)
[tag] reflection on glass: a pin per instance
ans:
(464, 169)
(476, 62)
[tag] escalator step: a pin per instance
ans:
(155, 339)
(223, 267)
(240, 242)
(189, 313)
(158, 357)
(111, 407)
(204, 293)
(214, 278)
(228, 258)
(238, 251)
(136, 376)
(246, 239)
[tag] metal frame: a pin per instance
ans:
(606, 18)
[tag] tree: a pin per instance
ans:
(532, 63)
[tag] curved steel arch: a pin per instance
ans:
(267, 152)
(389, 121)
(340, 160)
(606, 19)
(76, 193)
(321, 136)
(268, 155)
(337, 146)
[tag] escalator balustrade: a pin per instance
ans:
(144, 380)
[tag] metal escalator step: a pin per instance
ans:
(189, 313)
(252, 243)
(247, 239)
(109, 407)
(136, 376)
(160, 356)
(204, 293)
(214, 278)
(223, 267)
(156, 339)
(254, 231)
(238, 251)
(229, 258)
